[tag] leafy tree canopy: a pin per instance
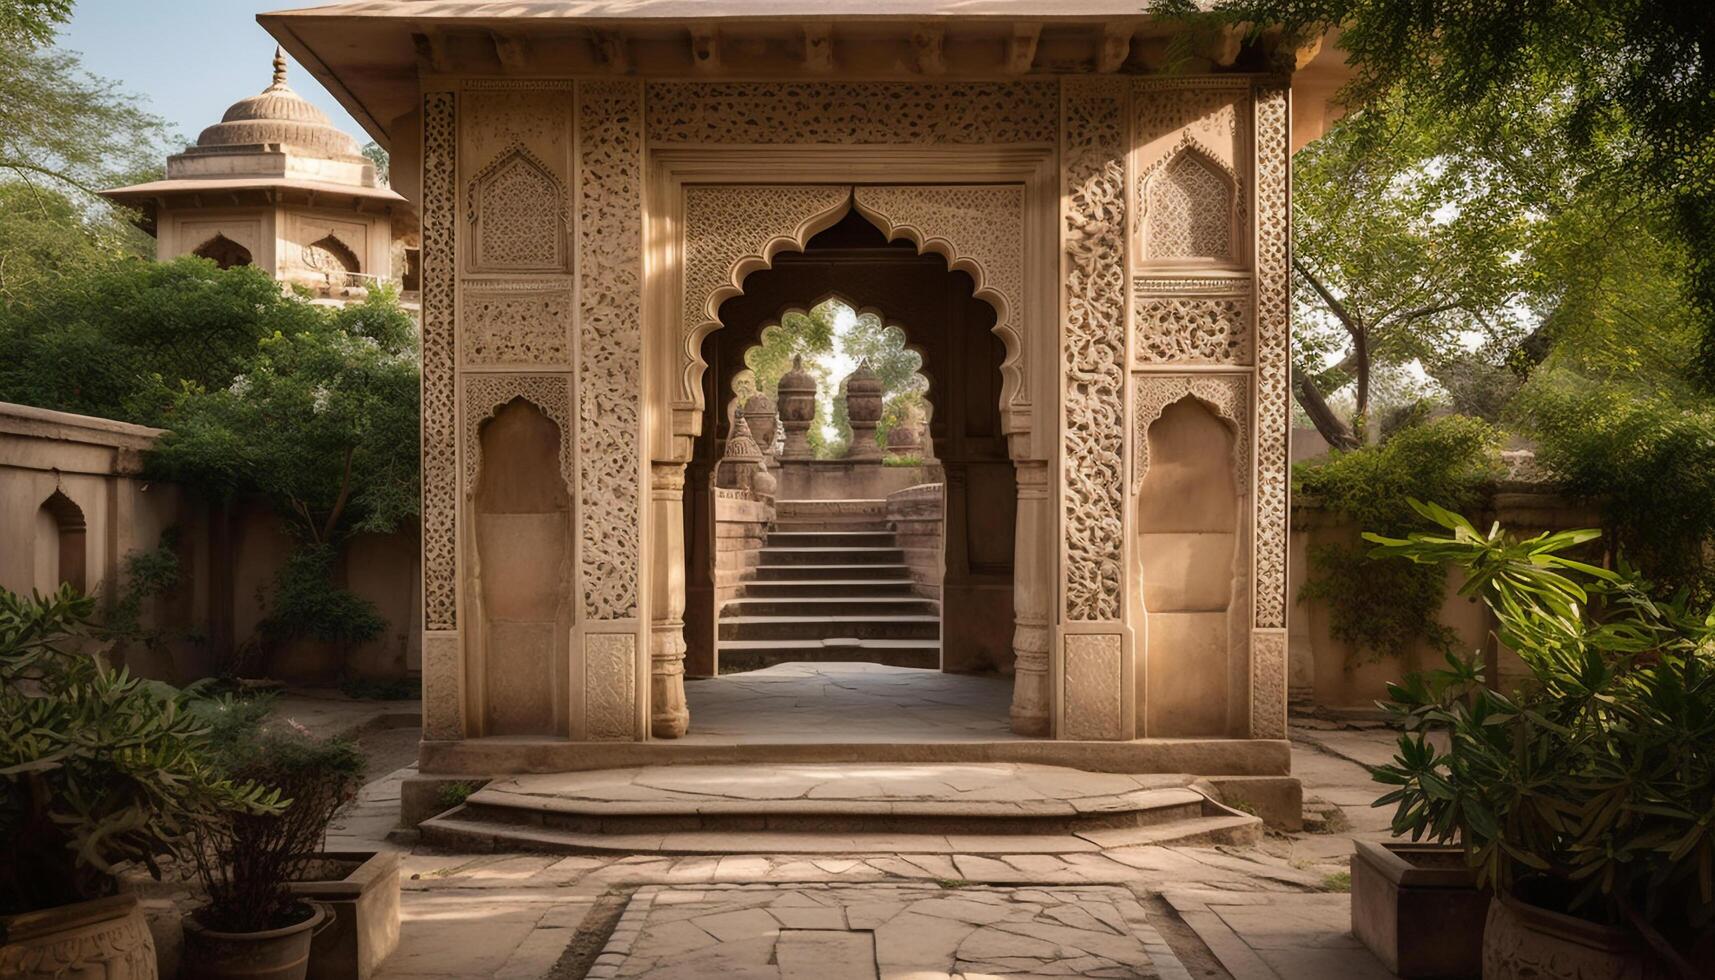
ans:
(46, 237)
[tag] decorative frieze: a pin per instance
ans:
(852, 112)
(522, 322)
(1192, 330)
(440, 417)
(1094, 354)
(610, 353)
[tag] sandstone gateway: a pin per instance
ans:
(604, 186)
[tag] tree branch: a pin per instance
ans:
(1329, 425)
(339, 502)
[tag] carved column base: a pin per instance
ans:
(1030, 709)
(669, 716)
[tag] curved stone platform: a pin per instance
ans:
(838, 808)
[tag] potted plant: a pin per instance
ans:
(1586, 800)
(100, 769)
(254, 925)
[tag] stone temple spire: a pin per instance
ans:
(279, 68)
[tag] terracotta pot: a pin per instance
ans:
(273, 954)
(1528, 942)
(1418, 908)
(104, 939)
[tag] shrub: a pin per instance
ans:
(99, 768)
(1384, 609)
(1592, 788)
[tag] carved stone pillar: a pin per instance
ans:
(796, 398)
(1031, 597)
(668, 716)
(863, 410)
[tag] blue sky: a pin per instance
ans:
(189, 58)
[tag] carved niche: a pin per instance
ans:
(1095, 349)
(1190, 186)
(516, 170)
(1228, 395)
(486, 394)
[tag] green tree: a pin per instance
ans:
(32, 21)
(46, 236)
(1636, 78)
(902, 387)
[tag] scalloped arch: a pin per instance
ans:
(1227, 396)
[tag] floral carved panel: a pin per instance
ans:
(852, 112)
(1192, 329)
(610, 686)
(979, 229)
(1094, 339)
(1227, 394)
(1273, 334)
(1094, 706)
(515, 161)
(440, 419)
(516, 323)
(1191, 143)
(610, 348)
(732, 231)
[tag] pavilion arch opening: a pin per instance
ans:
(223, 252)
(934, 480)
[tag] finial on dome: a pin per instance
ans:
(279, 66)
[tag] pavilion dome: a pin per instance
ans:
(279, 115)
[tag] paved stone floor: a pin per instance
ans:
(848, 702)
(1275, 911)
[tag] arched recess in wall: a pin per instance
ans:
(521, 576)
(62, 543)
(1191, 489)
(1190, 208)
(223, 252)
(517, 214)
(333, 258)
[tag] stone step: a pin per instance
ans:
(829, 587)
(772, 555)
(830, 539)
(834, 607)
(896, 627)
(894, 571)
(869, 808)
(817, 525)
(830, 509)
(744, 655)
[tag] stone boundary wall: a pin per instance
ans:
(741, 528)
(917, 516)
(96, 464)
(1324, 672)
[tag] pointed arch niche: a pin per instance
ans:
(223, 252)
(61, 545)
(1191, 208)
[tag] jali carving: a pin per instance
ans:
(1226, 394)
(610, 686)
(1209, 107)
(610, 369)
(440, 420)
(979, 229)
(1094, 338)
(732, 231)
(852, 112)
(1273, 334)
(1188, 208)
(517, 213)
(1192, 330)
(516, 323)
(1094, 708)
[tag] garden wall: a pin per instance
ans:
(74, 505)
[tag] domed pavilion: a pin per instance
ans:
(277, 185)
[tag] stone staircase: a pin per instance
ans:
(831, 584)
(838, 809)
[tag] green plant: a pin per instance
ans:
(99, 768)
(306, 603)
(454, 794)
(1338, 881)
(1592, 787)
(1384, 610)
(247, 860)
(903, 460)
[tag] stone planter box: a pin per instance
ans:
(361, 889)
(1525, 942)
(1418, 908)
